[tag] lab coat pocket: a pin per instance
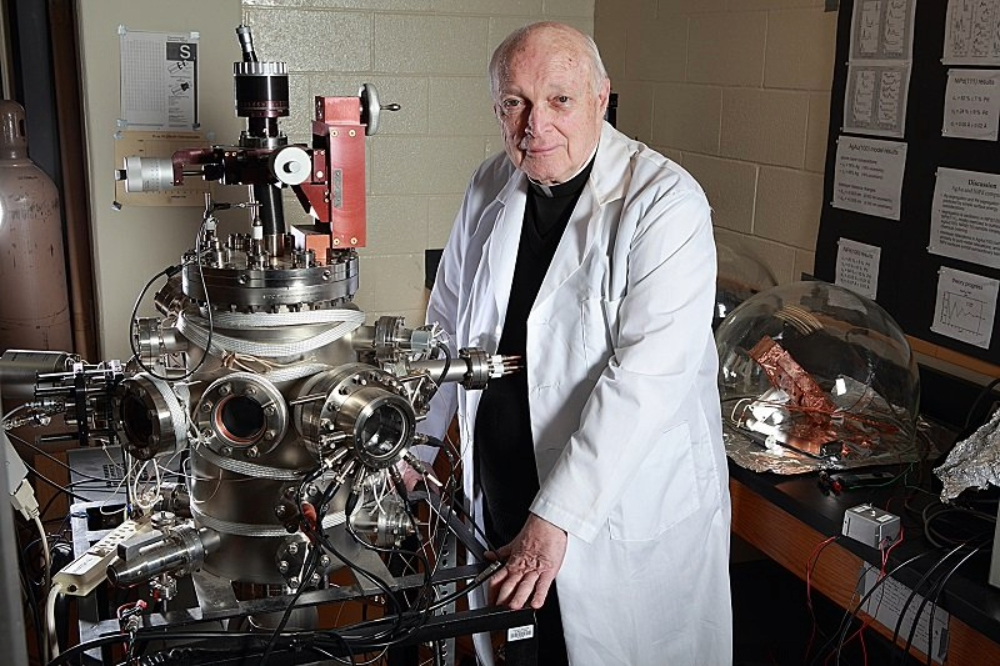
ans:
(599, 332)
(663, 492)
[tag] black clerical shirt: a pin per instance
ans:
(504, 450)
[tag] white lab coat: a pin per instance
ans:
(623, 398)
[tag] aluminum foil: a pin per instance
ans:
(974, 462)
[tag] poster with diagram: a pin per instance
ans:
(878, 77)
(972, 33)
(159, 80)
(965, 307)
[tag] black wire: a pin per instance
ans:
(32, 601)
(913, 593)
(447, 361)
(53, 484)
(936, 590)
(850, 615)
(311, 563)
(170, 271)
(967, 428)
(44, 453)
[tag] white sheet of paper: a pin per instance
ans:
(971, 34)
(882, 30)
(869, 176)
(875, 101)
(159, 80)
(965, 216)
(965, 307)
(972, 104)
(857, 267)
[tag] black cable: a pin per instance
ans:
(447, 362)
(53, 484)
(45, 454)
(850, 615)
(913, 592)
(311, 563)
(967, 427)
(169, 272)
(937, 590)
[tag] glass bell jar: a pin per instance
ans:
(740, 276)
(815, 376)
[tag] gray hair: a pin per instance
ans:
(502, 55)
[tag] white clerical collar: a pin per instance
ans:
(547, 189)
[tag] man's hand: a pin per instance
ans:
(532, 560)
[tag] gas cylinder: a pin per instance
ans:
(34, 300)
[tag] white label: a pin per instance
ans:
(520, 633)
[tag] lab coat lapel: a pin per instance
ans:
(504, 241)
(585, 223)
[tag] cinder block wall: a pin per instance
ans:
(738, 92)
(430, 56)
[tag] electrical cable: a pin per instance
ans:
(45, 552)
(938, 587)
(312, 561)
(967, 428)
(42, 452)
(915, 589)
(169, 272)
(849, 614)
(859, 634)
(447, 362)
(810, 566)
(51, 645)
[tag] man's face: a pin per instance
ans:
(549, 113)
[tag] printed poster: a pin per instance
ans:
(159, 80)
(857, 267)
(972, 104)
(965, 216)
(869, 176)
(965, 307)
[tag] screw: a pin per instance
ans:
(250, 390)
(314, 579)
(293, 582)
(293, 548)
(283, 567)
(225, 389)
(227, 450)
(253, 452)
(206, 406)
(270, 410)
(311, 489)
(280, 510)
(206, 433)
(269, 435)
(324, 561)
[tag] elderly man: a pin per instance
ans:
(599, 471)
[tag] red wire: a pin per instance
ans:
(860, 632)
(810, 565)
